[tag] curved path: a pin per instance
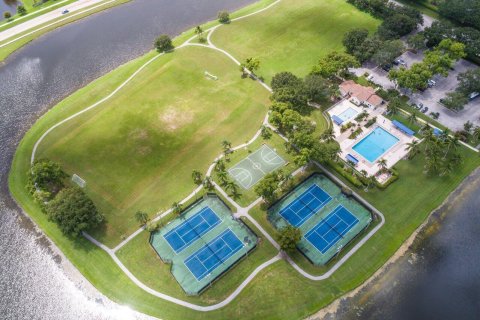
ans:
(241, 211)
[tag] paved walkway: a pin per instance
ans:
(241, 211)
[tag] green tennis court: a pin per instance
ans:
(254, 167)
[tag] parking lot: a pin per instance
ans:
(430, 97)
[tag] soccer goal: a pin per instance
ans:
(79, 181)
(210, 76)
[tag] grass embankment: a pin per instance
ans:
(406, 204)
(7, 50)
(293, 35)
(138, 150)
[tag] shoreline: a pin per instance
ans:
(332, 308)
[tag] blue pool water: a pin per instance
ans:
(375, 144)
(348, 114)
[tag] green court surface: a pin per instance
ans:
(327, 218)
(203, 243)
(254, 167)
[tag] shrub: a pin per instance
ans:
(7, 15)
(163, 43)
(289, 237)
(47, 176)
(223, 17)
(370, 122)
(21, 10)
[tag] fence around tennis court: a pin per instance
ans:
(338, 199)
(181, 261)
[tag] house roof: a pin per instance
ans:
(364, 94)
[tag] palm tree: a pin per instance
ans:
(227, 147)
(371, 182)
(232, 186)
(176, 208)
(287, 179)
(432, 163)
(476, 133)
(197, 177)
(451, 143)
(222, 175)
(141, 217)
(447, 168)
(328, 135)
(412, 118)
(413, 149)
(392, 108)
(199, 31)
(207, 183)
(220, 166)
(364, 173)
(382, 164)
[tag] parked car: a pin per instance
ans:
(401, 62)
(424, 110)
(65, 11)
(387, 67)
(431, 83)
(473, 95)
(370, 77)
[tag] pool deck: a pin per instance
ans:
(393, 155)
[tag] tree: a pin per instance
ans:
(413, 149)
(227, 147)
(316, 88)
(394, 105)
(163, 43)
(7, 15)
(289, 89)
(197, 177)
(415, 78)
(285, 79)
(288, 238)
(267, 187)
(417, 41)
(250, 64)
(476, 133)
(388, 52)
(73, 212)
(199, 33)
(233, 188)
(469, 81)
(334, 63)
(382, 164)
(353, 39)
(141, 217)
(223, 177)
(208, 184)
(176, 208)
(223, 17)
(265, 132)
(328, 135)
(396, 26)
(47, 175)
(21, 10)
(466, 12)
(371, 182)
(455, 100)
(367, 49)
(220, 165)
(412, 118)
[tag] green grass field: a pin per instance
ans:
(130, 143)
(137, 151)
(293, 35)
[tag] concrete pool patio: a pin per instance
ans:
(393, 153)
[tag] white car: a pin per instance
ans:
(65, 11)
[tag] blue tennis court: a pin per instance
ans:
(331, 229)
(307, 204)
(191, 229)
(212, 254)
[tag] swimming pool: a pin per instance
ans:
(375, 144)
(348, 114)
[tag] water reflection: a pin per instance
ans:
(32, 283)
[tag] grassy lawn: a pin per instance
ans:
(292, 35)
(140, 258)
(137, 151)
(134, 157)
(7, 50)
